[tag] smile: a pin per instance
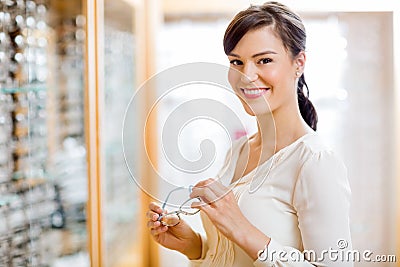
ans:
(253, 92)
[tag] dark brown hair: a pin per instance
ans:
(288, 26)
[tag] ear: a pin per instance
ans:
(300, 61)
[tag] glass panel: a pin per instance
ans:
(68, 164)
(43, 172)
(120, 193)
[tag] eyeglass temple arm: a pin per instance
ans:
(169, 194)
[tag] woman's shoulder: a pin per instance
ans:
(315, 152)
(312, 148)
(312, 143)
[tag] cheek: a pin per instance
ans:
(233, 77)
(272, 75)
(281, 81)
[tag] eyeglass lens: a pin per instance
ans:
(173, 218)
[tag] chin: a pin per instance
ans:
(248, 109)
(255, 111)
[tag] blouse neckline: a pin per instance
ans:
(278, 155)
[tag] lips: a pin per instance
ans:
(253, 92)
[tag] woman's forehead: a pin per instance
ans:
(259, 40)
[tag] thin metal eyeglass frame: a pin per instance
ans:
(179, 211)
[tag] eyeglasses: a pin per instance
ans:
(173, 218)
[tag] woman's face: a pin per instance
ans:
(263, 73)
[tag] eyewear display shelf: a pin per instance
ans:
(41, 142)
(28, 201)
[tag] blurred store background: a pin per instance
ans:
(68, 69)
(351, 79)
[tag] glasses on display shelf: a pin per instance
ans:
(5, 126)
(5, 154)
(5, 43)
(6, 102)
(173, 218)
(5, 173)
(5, 137)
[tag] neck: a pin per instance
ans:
(279, 129)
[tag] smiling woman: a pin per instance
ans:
(262, 48)
(288, 192)
(271, 74)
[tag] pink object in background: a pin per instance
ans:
(240, 133)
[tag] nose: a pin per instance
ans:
(249, 73)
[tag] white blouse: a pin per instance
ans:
(300, 198)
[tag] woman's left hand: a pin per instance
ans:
(219, 204)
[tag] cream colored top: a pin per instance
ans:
(300, 198)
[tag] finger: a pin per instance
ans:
(197, 204)
(204, 193)
(207, 209)
(159, 230)
(154, 207)
(153, 225)
(152, 215)
(204, 182)
(217, 187)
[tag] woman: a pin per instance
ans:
(289, 194)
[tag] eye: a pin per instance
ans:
(236, 62)
(265, 61)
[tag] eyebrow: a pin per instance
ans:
(255, 55)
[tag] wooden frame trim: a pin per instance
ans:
(148, 16)
(93, 10)
(396, 104)
(141, 75)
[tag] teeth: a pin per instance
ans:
(253, 91)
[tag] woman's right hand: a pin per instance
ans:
(180, 237)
